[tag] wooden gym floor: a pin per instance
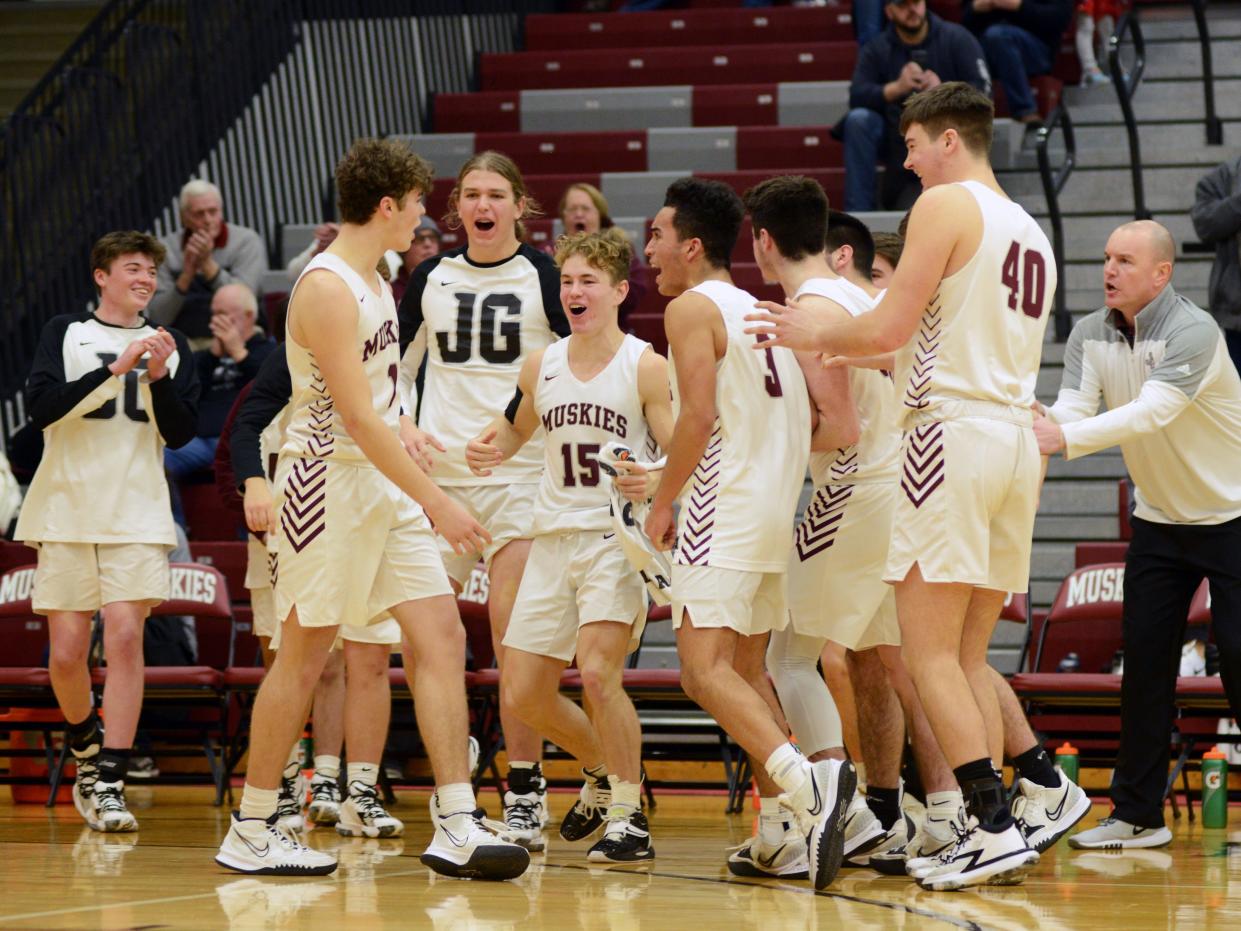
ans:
(57, 873)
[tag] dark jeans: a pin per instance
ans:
(1013, 55)
(1232, 338)
(1165, 565)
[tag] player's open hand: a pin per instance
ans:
(481, 455)
(788, 325)
(452, 522)
(259, 507)
(161, 346)
(129, 358)
(633, 480)
(659, 527)
(419, 444)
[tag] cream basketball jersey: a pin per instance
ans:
(314, 429)
(737, 508)
(981, 335)
(480, 321)
(873, 458)
(580, 418)
(101, 478)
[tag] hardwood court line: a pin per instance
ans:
(337, 880)
(895, 906)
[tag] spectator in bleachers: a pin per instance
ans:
(204, 256)
(325, 234)
(1217, 220)
(916, 52)
(1021, 39)
(1095, 21)
(1173, 399)
(888, 248)
(584, 209)
(427, 239)
(237, 350)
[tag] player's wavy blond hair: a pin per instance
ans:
(608, 250)
(507, 169)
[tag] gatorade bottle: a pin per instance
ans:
(1214, 789)
(1066, 760)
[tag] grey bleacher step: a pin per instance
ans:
(1103, 464)
(1076, 527)
(1160, 144)
(797, 103)
(1050, 560)
(1087, 236)
(1110, 190)
(1184, 59)
(1222, 23)
(1078, 497)
(1167, 99)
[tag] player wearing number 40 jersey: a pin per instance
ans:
(475, 314)
(108, 391)
(965, 312)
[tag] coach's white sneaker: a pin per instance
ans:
(863, 831)
(1045, 815)
(982, 856)
(467, 846)
(786, 860)
(1113, 834)
(269, 848)
(363, 815)
(820, 805)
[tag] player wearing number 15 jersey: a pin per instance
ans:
(965, 312)
(108, 391)
(476, 313)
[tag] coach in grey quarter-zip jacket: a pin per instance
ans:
(1173, 398)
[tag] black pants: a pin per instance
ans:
(1165, 565)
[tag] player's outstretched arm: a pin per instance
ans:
(693, 326)
(883, 363)
(509, 432)
(943, 217)
(323, 317)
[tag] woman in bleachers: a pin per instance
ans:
(584, 209)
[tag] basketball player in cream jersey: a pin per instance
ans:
(578, 595)
(108, 390)
(475, 313)
(966, 312)
(736, 462)
(353, 699)
(352, 544)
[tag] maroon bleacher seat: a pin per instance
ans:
(780, 148)
(205, 517)
(832, 179)
(499, 111)
(640, 67)
(24, 680)
(1085, 618)
(1086, 554)
(16, 554)
(736, 105)
(685, 27)
(229, 556)
(550, 153)
(1200, 607)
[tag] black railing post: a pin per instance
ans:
(1053, 184)
(1126, 85)
(1215, 126)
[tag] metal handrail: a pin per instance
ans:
(1126, 85)
(1053, 184)
(1214, 125)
